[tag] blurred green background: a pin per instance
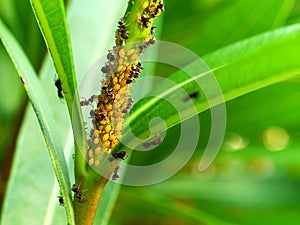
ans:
(255, 178)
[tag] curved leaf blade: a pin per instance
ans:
(53, 25)
(239, 69)
(43, 113)
(52, 21)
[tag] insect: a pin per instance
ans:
(59, 88)
(110, 56)
(129, 80)
(152, 41)
(128, 106)
(84, 102)
(92, 113)
(190, 96)
(60, 200)
(105, 69)
(78, 194)
(156, 141)
(122, 29)
(115, 175)
(152, 30)
(119, 155)
(145, 20)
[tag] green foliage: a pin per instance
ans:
(253, 49)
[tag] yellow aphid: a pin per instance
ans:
(119, 127)
(110, 113)
(91, 161)
(147, 38)
(128, 69)
(145, 5)
(112, 137)
(122, 53)
(97, 163)
(121, 69)
(115, 80)
(96, 133)
(130, 52)
(102, 108)
(133, 57)
(117, 96)
(123, 82)
(105, 137)
(108, 128)
(117, 114)
(96, 141)
(91, 153)
(117, 105)
(152, 7)
(106, 144)
(100, 128)
(108, 107)
(121, 60)
(117, 87)
(139, 19)
(105, 100)
(103, 122)
(97, 150)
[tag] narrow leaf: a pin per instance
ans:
(41, 107)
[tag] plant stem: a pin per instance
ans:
(133, 36)
(85, 211)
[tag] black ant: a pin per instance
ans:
(60, 200)
(78, 193)
(59, 88)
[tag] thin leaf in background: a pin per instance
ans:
(39, 103)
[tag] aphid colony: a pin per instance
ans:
(114, 102)
(151, 10)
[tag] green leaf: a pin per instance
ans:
(204, 33)
(41, 107)
(239, 69)
(44, 196)
(52, 21)
(51, 18)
